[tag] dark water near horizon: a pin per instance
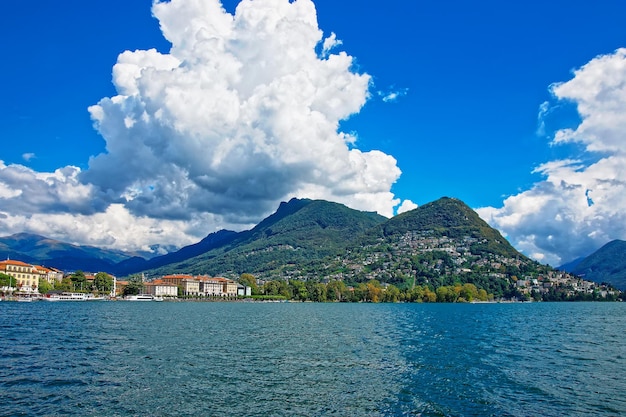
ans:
(304, 359)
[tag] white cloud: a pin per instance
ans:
(240, 114)
(25, 191)
(407, 205)
(28, 156)
(580, 204)
(114, 228)
(330, 43)
(56, 205)
(393, 94)
(544, 110)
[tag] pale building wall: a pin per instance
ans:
(26, 276)
(190, 287)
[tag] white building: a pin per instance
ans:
(159, 288)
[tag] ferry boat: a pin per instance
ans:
(71, 296)
(143, 297)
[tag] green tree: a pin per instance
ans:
(318, 292)
(64, 285)
(300, 291)
(336, 291)
(415, 294)
(360, 292)
(79, 281)
(103, 282)
(6, 280)
(391, 294)
(468, 292)
(249, 281)
(44, 286)
(135, 285)
(284, 290)
(271, 288)
(446, 294)
(133, 288)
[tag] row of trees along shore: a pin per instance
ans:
(297, 290)
(374, 291)
(102, 283)
(371, 291)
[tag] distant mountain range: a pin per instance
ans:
(607, 264)
(439, 243)
(43, 251)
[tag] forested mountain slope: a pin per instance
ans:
(301, 231)
(607, 264)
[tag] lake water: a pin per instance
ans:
(304, 359)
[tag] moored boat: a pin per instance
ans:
(71, 296)
(141, 297)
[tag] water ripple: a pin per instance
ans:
(188, 359)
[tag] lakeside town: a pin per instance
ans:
(23, 281)
(20, 281)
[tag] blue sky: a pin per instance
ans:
(471, 80)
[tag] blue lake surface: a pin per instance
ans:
(305, 359)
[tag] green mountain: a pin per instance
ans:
(607, 264)
(441, 243)
(299, 232)
(452, 218)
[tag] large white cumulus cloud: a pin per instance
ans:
(581, 203)
(25, 191)
(242, 112)
(57, 205)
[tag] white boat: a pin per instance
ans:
(142, 297)
(71, 296)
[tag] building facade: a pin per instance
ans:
(190, 287)
(26, 275)
(159, 288)
(50, 275)
(202, 285)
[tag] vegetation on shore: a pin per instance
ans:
(374, 291)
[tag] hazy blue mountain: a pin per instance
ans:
(607, 264)
(41, 250)
(212, 241)
(570, 266)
